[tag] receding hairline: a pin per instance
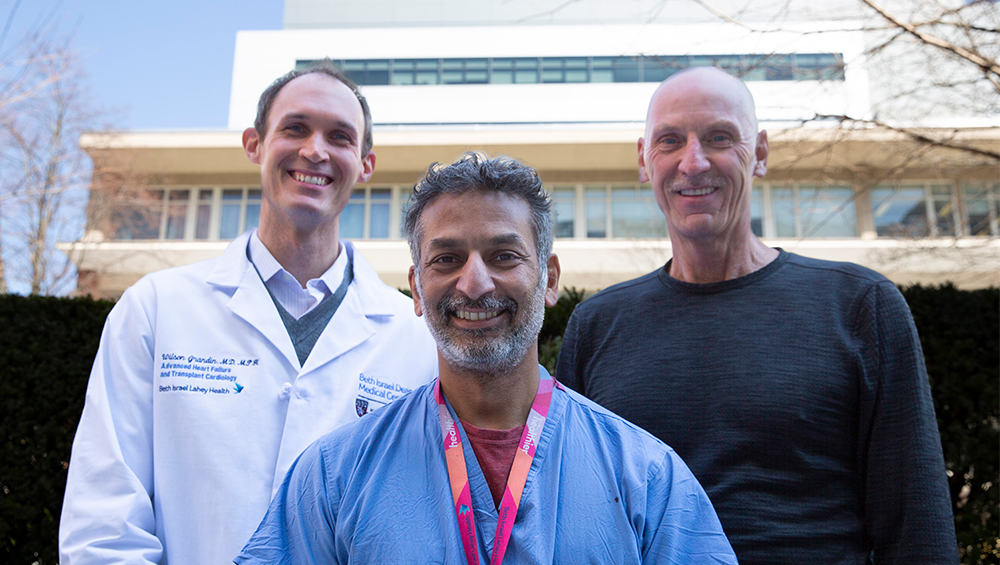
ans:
(709, 77)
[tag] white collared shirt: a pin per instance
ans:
(286, 289)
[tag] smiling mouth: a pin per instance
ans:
(697, 191)
(312, 179)
(477, 316)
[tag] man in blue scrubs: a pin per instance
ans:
(494, 458)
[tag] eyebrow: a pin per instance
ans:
(728, 125)
(307, 118)
(453, 243)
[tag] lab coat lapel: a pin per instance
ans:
(250, 300)
(350, 325)
(348, 328)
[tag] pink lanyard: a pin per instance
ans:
(459, 477)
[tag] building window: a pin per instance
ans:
(138, 217)
(982, 210)
(564, 209)
(803, 211)
(187, 214)
(634, 213)
(370, 214)
(915, 210)
(607, 211)
(533, 70)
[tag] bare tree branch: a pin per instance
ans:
(989, 67)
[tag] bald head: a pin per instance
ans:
(701, 87)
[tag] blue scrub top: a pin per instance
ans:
(599, 490)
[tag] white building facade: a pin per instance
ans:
(565, 90)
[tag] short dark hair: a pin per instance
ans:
(476, 171)
(325, 67)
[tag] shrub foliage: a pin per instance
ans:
(47, 347)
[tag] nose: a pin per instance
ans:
(315, 149)
(474, 280)
(693, 161)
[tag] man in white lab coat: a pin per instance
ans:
(212, 378)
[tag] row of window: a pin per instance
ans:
(530, 70)
(585, 211)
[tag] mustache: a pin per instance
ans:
(704, 179)
(450, 304)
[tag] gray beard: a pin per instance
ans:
(489, 353)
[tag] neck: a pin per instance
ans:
(305, 253)
(716, 260)
(492, 402)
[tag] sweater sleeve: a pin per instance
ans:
(907, 505)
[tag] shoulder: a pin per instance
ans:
(839, 271)
(624, 294)
(609, 429)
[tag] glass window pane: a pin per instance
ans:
(981, 210)
(783, 200)
(827, 212)
(476, 77)
(526, 76)
(379, 221)
(177, 214)
(352, 219)
(626, 69)
(552, 76)
(140, 218)
(757, 211)
(596, 212)
(900, 212)
(944, 210)
(253, 217)
(564, 207)
(229, 220)
(203, 217)
(637, 219)
(400, 77)
(427, 77)
(778, 67)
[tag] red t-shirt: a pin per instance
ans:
(495, 450)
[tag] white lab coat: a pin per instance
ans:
(197, 406)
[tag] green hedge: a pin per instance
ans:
(960, 334)
(47, 346)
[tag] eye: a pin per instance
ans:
(295, 128)
(444, 261)
(720, 139)
(507, 257)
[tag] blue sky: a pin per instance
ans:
(153, 64)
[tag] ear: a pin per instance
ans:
(552, 287)
(641, 145)
(367, 167)
(414, 291)
(251, 145)
(760, 167)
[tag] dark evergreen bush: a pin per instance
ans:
(960, 334)
(47, 347)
